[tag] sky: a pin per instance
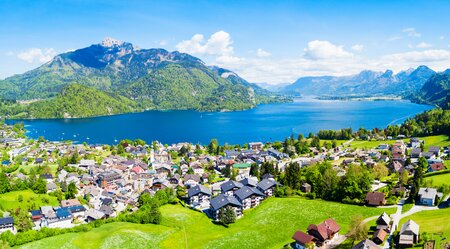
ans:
(263, 41)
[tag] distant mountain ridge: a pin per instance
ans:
(152, 78)
(365, 83)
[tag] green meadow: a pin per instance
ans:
(270, 225)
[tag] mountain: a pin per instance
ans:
(151, 78)
(263, 96)
(365, 83)
(435, 91)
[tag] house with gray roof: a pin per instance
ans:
(249, 182)
(224, 201)
(267, 186)
(409, 234)
(250, 197)
(366, 244)
(229, 187)
(428, 196)
(199, 196)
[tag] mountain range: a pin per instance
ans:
(366, 82)
(145, 78)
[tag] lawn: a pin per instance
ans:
(270, 225)
(439, 180)
(435, 223)
(369, 144)
(31, 200)
(440, 140)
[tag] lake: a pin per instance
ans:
(265, 123)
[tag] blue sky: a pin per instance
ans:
(264, 41)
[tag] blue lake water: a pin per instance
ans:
(264, 123)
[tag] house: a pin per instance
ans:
(302, 240)
(224, 201)
(249, 182)
(267, 186)
(199, 196)
(255, 146)
(229, 187)
(416, 153)
(375, 199)
(409, 234)
(325, 231)
(436, 167)
(366, 244)
(70, 202)
(93, 214)
(6, 224)
(51, 186)
(435, 150)
(379, 236)
(384, 222)
(249, 197)
(108, 178)
(278, 155)
(198, 169)
(305, 188)
(428, 196)
(191, 180)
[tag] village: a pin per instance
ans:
(109, 181)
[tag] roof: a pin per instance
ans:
(427, 193)
(384, 219)
(198, 189)
(332, 225)
(229, 185)
(70, 202)
(366, 244)
(35, 212)
(265, 184)
(62, 213)
(302, 238)
(437, 166)
(380, 234)
(241, 165)
(223, 200)
(6, 220)
(375, 198)
(321, 229)
(249, 182)
(246, 192)
(410, 225)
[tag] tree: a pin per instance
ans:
(315, 142)
(292, 176)
(254, 170)
(358, 229)
(71, 191)
(22, 221)
(40, 186)
(212, 146)
(403, 177)
(5, 185)
(379, 171)
(227, 215)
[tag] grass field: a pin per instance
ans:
(439, 180)
(440, 140)
(435, 223)
(270, 225)
(31, 200)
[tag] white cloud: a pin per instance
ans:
(424, 45)
(441, 37)
(37, 55)
(357, 48)
(432, 55)
(318, 50)
(394, 38)
(412, 32)
(262, 53)
(163, 42)
(218, 44)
